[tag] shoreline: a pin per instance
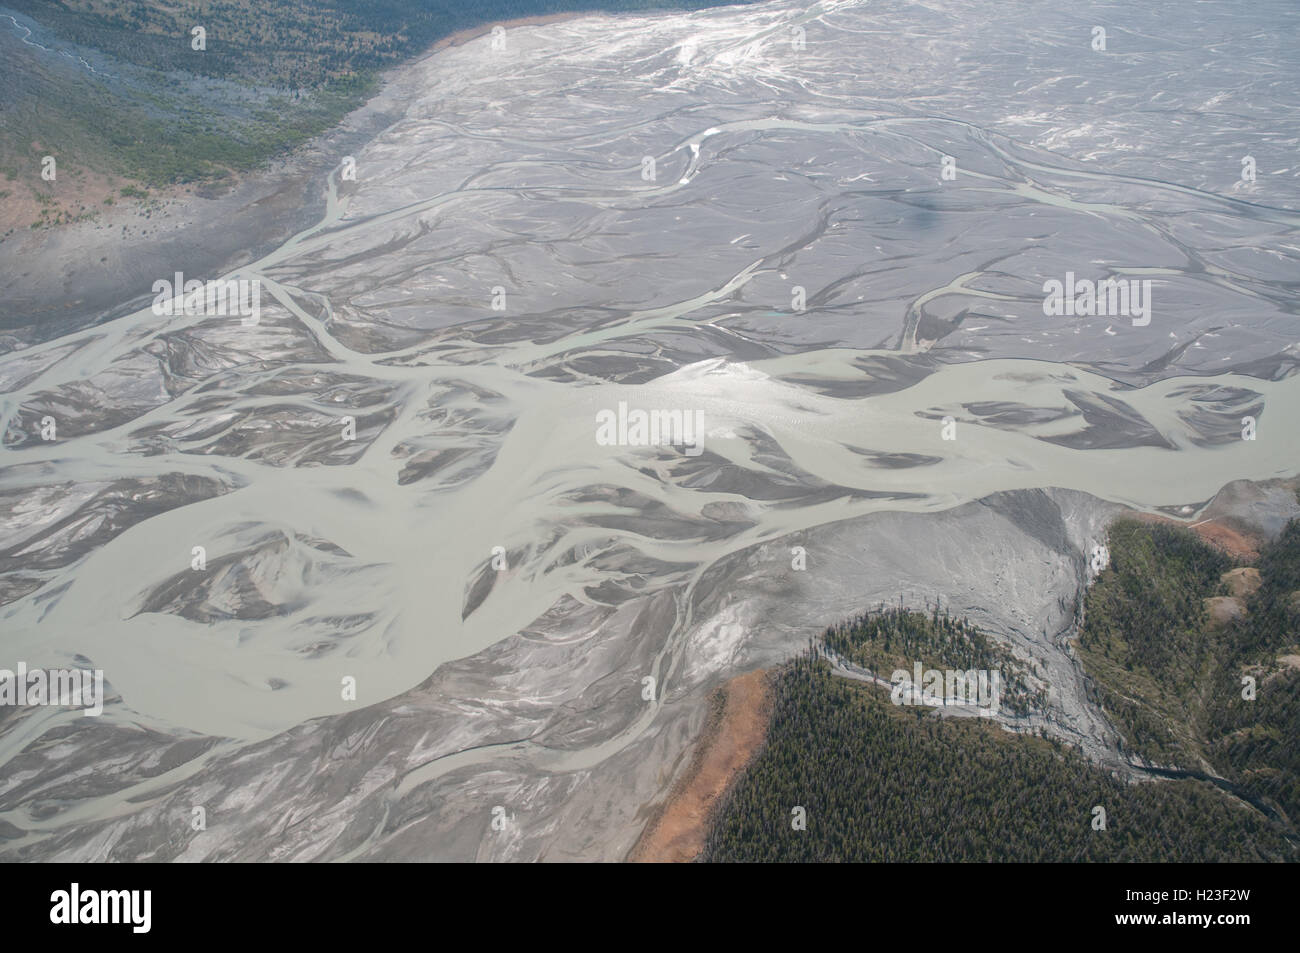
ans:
(461, 37)
(733, 733)
(740, 710)
(62, 278)
(1234, 520)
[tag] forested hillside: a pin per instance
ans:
(1176, 639)
(880, 782)
(1195, 660)
(890, 639)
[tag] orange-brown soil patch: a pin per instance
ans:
(1233, 542)
(734, 733)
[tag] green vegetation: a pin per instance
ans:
(1146, 639)
(290, 44)
(154, 138)
(886, 640)
(271, 76)
(884, 782)
(881, 782)
(1171, 677)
